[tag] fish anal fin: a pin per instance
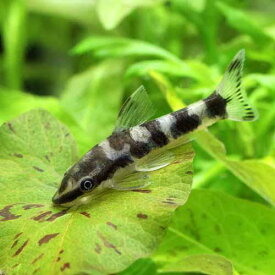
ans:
(131, 181)
(155, 160)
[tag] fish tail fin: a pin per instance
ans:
(237, 105)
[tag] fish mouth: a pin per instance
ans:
(65, 199)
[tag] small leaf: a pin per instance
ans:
(216, 224)
(107, 235)
(111, 13)
(104, 47)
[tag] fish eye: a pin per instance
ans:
(87, 185)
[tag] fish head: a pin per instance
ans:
(79, 182)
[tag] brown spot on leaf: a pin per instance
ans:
(58, 259)
(66, 265)
(37, 258)
(217, 249)
(38, 169)
(61, 251)
(67, 134)
(56, 215)
(142, 190)
(47, 125)
(7, 215)
(97, 248)
(189, 172)
(14, 243)
(18, 155)
(11, 127)
(218, 229)
(112, 225)
(85, 214)
(47, 158)
(36, 270)
(14, 266)
(20, 249)
(17, 235)
(142, 216)
(47, 238)
(170, 202)
(33, 205)
(108, 244)
(42, 216)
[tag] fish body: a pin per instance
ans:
(124, 160)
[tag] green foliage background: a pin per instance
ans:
(80, 60)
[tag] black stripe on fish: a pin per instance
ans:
(68, 197)
(137, 149)
(184, 123)
(157, 136)
(215, 106)
(117, 140)
(111, 166)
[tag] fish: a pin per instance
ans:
(138, 145)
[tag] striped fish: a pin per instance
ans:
(137, 146)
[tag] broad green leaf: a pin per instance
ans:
(111, 13)
(256, 173)
(202, 263)
(104, 47)
(93, 99)
(103, 237)
(14, 103)
(243, 23)
(217, 224)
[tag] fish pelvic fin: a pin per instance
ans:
(231, 93)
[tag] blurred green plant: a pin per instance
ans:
(80, 60)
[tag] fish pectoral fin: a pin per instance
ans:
(134, 180)
(137, 109)
(155, 160)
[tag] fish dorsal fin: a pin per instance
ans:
(137, 109)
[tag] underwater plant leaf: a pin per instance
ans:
(104, 47)
(80, 11)
(23, 102)
(214, 223)
(243, 23)
(93, 98)
(103, 237)
(187, 68)
(202, 263)
(111, 13)
(255, 173)
(141, 267)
